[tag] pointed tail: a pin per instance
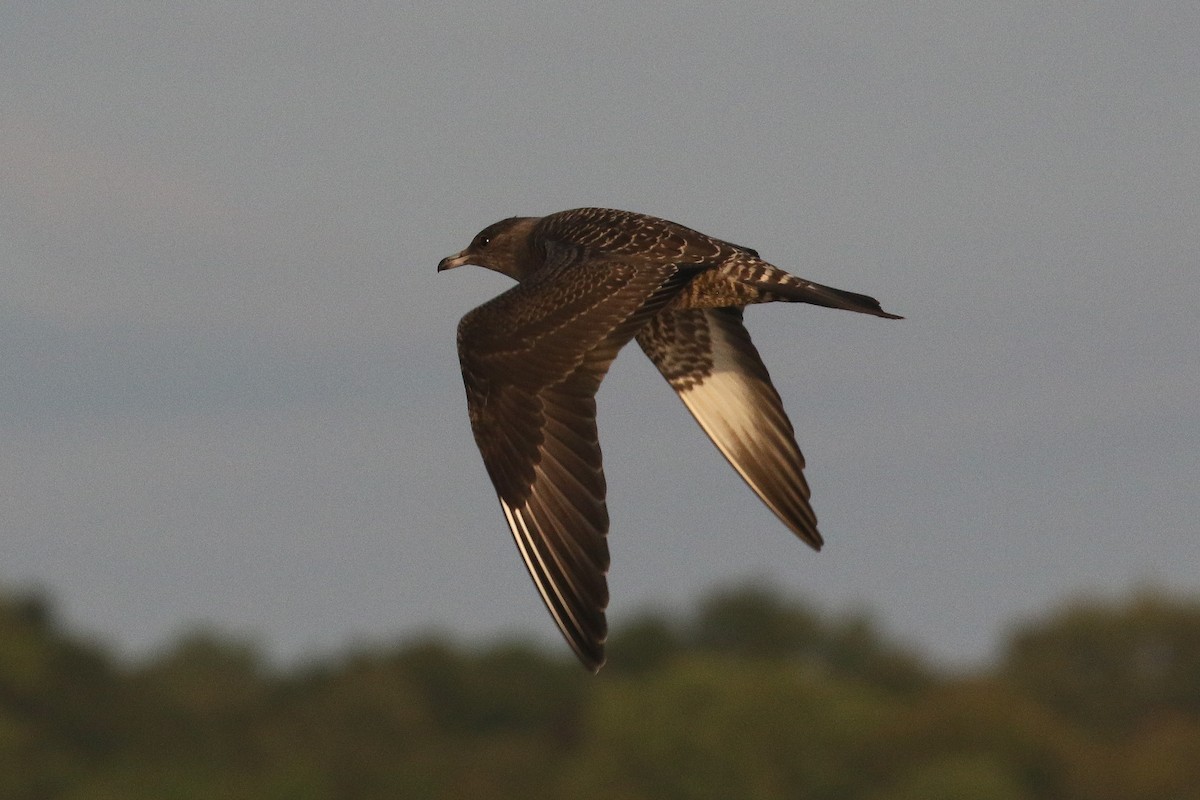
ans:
(797, 290)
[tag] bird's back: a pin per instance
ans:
(639, 237)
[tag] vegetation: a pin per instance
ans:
(756, 697)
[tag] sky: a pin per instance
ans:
(229, 390)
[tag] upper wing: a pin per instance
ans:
(707, 357)
(532, 360)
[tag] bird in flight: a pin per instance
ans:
(588, 281)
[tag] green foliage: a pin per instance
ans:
(965, 777)
(689, 731)
(758, 622)
(756, 697)
(982, 726)
(1112, 667)
(61, 703)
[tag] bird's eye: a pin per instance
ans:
(482, 241)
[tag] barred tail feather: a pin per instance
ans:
(797, 290)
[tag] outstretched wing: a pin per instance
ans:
(532, 360)
(707, 357)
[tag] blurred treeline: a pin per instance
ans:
(756, 696)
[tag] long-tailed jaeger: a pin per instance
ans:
(588, 281)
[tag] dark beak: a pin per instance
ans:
(450, 262)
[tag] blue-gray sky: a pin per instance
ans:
(229, 392)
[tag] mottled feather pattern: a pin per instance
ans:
(625, 233)
(679, 344)
(589, 280)
(708, 358)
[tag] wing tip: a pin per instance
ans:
(588, 647)
(805, 530)
(592, 663)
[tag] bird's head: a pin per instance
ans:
(503, 246)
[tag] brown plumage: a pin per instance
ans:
(589, 280)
